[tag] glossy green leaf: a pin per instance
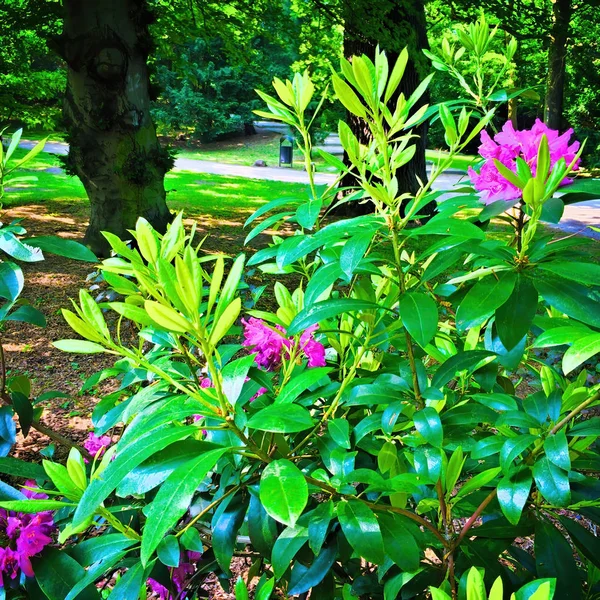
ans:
(585, 541)
(262, 529)
(339, 430)
(62, 247)
(56, 573)
(556, 448)
(318, 525)
(512, 448)
(234, 376)
(300, 383)
(554, 558)
(583, 349)
(478, 481)
(353, 252)
(513, 493)
(398, 542)
(130, 584)
(286, 547)
(79, 346)
(98, 548)
(304, 578)
(137, 452)
(168, 551)
(515, 316)
(361, 528)
(11, 281)
(225, 526)
(174, 498)
(571, 298)
(326, 310)
(283, 491)
(483, 298)
(21, 468)
(428, 424)
(283, 418)
(419, 315)
(552, 482)
(459, 362)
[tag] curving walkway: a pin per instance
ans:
(576, 219)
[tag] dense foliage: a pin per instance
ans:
(372, 436)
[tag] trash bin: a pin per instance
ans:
(286, 150)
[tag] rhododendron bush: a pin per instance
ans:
(373, 434)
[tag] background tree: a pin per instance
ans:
(113, 145)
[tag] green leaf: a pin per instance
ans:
(262, 529)
(265, 208)
(137, 452)
(515, 316)
(428, 424)
(34, 506)
(539, 589)
(339, 430)
(283, 491)
(478, 481)
(554, 558)
(552, 482)
(191, 540)
(457, 228)
(361, 528)
(300, 383)
(129, 586)
(419, 315)
(585, 428)
(21, 468)
(28, 314)
(459, 362)
(585, 541)
(318, 525)
(556, 448)
(585, 273)
(99, 548)
(241, 591)
(326, 310)
(174, 498)
(353, 252)
(168, 551)
(56, 573)
(304, 578)
(308, 213)
(234, 376)
(582, 349)
(11, 281)
(347, 97)
(286, 547)
(265, 592)
(225, 321)
(513, 493)
(571, 298)
(512, 448)
(79, 346)
(483, 298)
(24, 411)
(62, 247)
(281, 419)
(225, 527)
(398, 542)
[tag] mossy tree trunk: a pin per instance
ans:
(113, 145)
(557, 63)
(393, 25)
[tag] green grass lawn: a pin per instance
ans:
(229, 200)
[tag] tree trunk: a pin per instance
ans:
(557, 59)
(113, 145)
(402, 23)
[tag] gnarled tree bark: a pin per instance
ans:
(113, 145)
(557, 63)
(393, 25)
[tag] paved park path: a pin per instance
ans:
(576, 218)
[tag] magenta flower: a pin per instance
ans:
(510, 144)
(179, 576)
(27, 535)
(267, 342)
(96, 446)
(314, 351)
(261, 391)
(270, 344)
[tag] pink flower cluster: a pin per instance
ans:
(179, 577)
(510, 144)
(270, 344)
(27, 535)
(96, 446)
